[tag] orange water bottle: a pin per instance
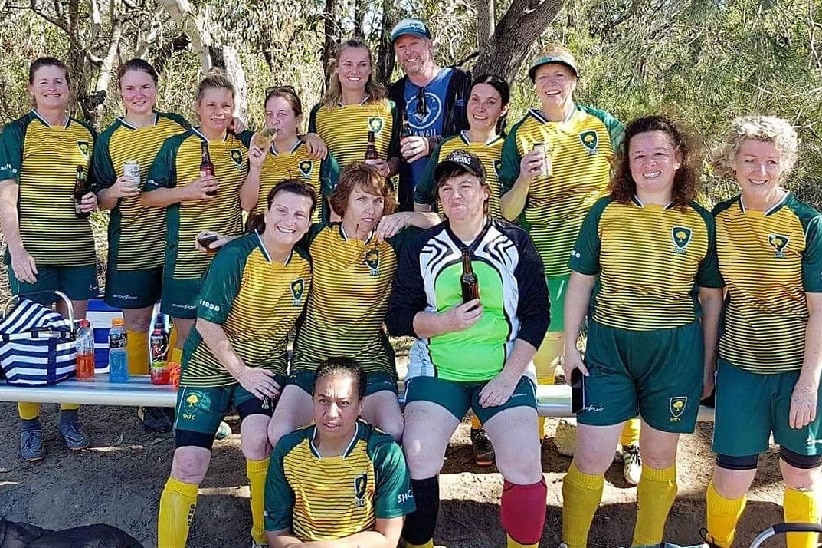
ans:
(85, 351)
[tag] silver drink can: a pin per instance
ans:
(131, 169)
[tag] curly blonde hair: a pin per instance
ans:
(770, 129)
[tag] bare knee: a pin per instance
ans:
(800, 472)
(190, 464)
(254, 441)
(732, 484)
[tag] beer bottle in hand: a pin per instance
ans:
(371, 148)
(206, 165)
(406, 127)
(81, 188)
(468, 280)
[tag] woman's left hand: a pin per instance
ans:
(390, 225)
(316, 146)
(803, 406)
(498, 390)
(88, 203)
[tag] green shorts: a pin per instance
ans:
(749, 406)
(200, 409)
(557, 287)
(374, 382)
(657, 374)
(130, 289)
(180, 297)
(79, 283)
(459, 396)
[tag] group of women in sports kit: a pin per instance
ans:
(570, 220)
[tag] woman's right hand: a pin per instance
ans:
(462, 316)
(256, 156)
(124, 187)
(199, 189)
(259, 382)
(23, 265)
(570, 361)
(532, 164)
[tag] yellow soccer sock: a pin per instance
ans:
(546, 361)
(723, 515)
(630, 433)
(256, 471)
(177, 504)
(802, 507)
(137, 352)
(429, 544)
(581, 494)
(172, 338)
(69, 406)
(655, 495)
(514, 544)
(176, 355)
(475, 423)
(28, 410)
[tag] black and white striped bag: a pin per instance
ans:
(37, 345)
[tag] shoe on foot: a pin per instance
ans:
(72, 432)
(223, 431)
(255, 544)
(707, 538)
(31, 445)
(483, 450)
(631, 463)
(156, 419)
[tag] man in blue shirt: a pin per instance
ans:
(433, 99)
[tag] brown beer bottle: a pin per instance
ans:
(468, 280)
(206, 165)
(371, 147)
(81, 188)
(406, 127)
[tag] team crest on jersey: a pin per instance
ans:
(84, 147)
(590, 140)
(306, 167)
(677, 407)
(360, 485)
(778, 242)
(375, 124)
(681, 236)
(297, 290)
(372, 261)
(237, 158)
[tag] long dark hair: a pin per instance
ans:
(686, 179)
(256, 221)
(504, 92)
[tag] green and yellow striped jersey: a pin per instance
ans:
(650, 259)
(297, 163)
(178, 163)
(581, 149)
(348, 301)
(490, 154)
(136, 234)
(329, 498)
(256, 301)
(43, 160)
(769, 260)
(345, 128)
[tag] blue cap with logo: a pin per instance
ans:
(414, 27)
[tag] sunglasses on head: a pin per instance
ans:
(422, 106)
(280, 89)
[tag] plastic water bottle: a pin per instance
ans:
(85, 351)
(117, 358)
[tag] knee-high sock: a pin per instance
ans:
(177, 504)
(137, 352)
(581, 494)
(256, 471)
(545, 361)
(511, 543)
(28, 410)
(429, 544)
(630, 433)
(723, 515)
(655, 495)
(176, 355)
(522, 512)
(418, 529)
(803, 507)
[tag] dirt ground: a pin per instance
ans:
(118, 481)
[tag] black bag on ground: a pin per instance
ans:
(99, 535)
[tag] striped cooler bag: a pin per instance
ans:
(37, 345)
